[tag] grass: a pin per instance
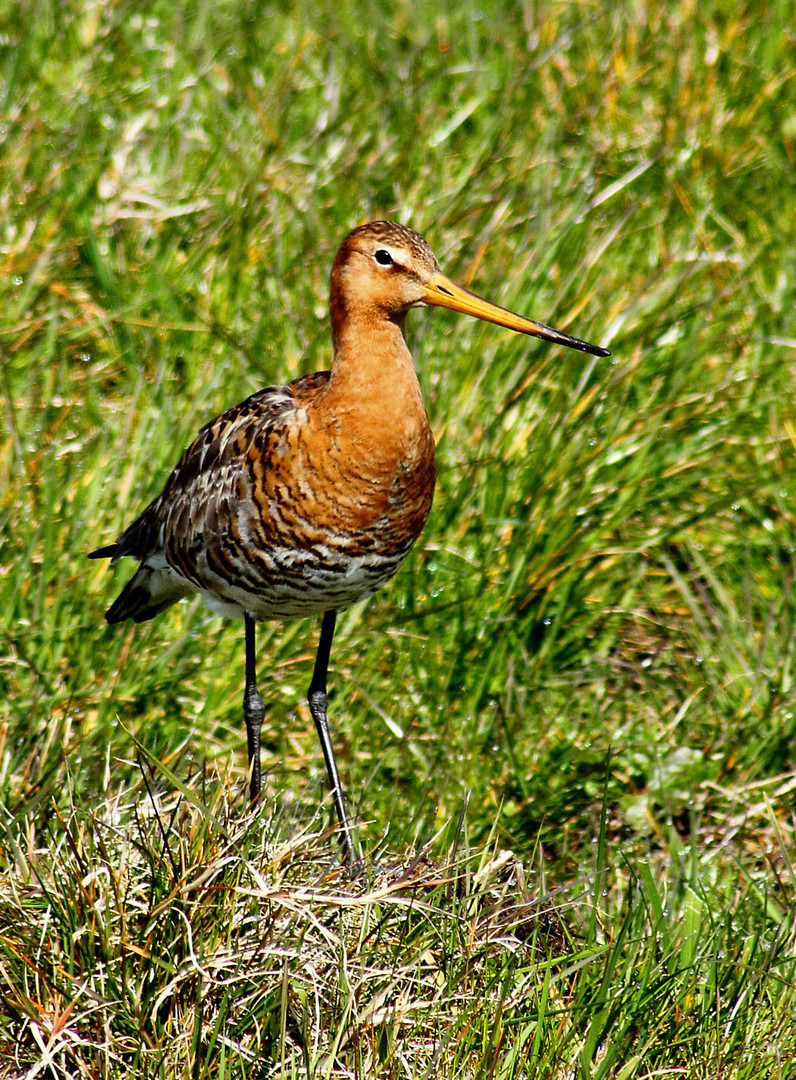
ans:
(567, 726)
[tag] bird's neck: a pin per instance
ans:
(371, 359)
(373, 390)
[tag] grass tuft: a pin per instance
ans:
(174, 935)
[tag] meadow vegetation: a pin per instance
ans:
(567, 727)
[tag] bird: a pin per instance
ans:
(306, 497)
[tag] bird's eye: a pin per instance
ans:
(383, 258)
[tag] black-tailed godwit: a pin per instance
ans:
(306, 498)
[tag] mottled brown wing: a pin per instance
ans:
(197, 508)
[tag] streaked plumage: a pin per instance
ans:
(306, 498)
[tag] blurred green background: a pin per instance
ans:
(609, 563)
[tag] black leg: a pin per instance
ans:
(253, 708)
(317, 702)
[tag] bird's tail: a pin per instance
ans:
(148, 592)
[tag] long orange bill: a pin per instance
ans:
(442, 292)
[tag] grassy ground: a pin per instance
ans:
(567, 727)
